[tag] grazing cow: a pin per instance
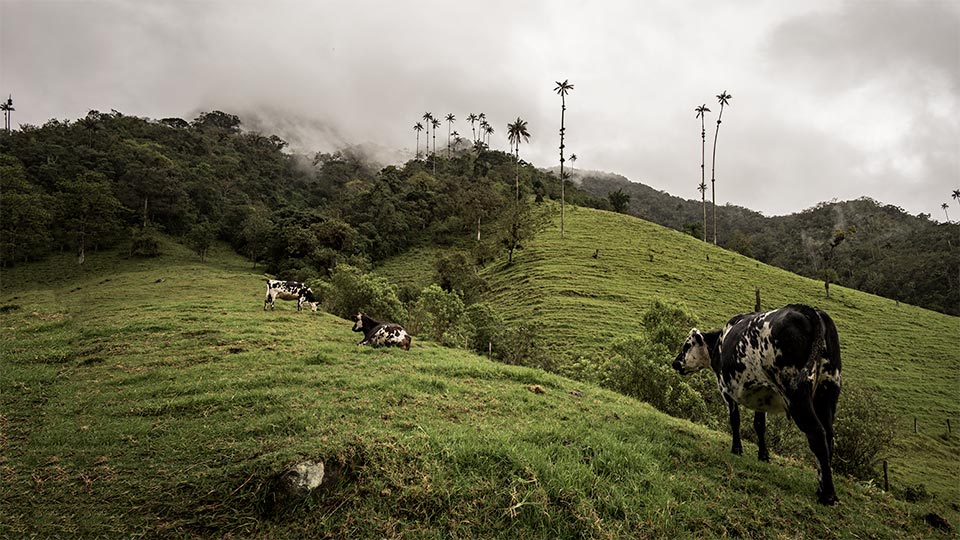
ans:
(782, 361)
(378, 334)
(289, 290)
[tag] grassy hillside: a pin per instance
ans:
(581, 304)
(156, 399)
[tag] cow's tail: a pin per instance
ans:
(831, 340)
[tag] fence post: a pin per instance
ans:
(914, 424)
(756, 306)
(886, 479)
(948, 426)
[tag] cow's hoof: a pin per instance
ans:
(827, 500)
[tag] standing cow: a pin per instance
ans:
(378, 334)
(782, 361)
(289, 290)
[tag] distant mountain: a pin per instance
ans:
(864, 244)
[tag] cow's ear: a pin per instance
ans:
(697, 336)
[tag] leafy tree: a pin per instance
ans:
(25, 217)
(201, 238)
(350, 290)
(217, 121)
(517, 132)
(453, 272)
(519, 224)
(702, 111)
(724, 99)
(619, 201)
(257, 229)
(562, 89)
(89, 210)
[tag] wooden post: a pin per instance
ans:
(914, 424)
(886, 479)
(756, 306)
(490, 350)
(948, 426)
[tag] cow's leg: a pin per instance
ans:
(734, 425)
(803, 413)
(300, 303)
(825, 405)
(760, 426)
(269, 300)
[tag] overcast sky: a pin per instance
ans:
(832, 99)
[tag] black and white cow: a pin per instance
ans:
(289, 290)
(782, 361)
(378, 334)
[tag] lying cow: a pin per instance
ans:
(378, 334)
(782, 361)
(289, 290)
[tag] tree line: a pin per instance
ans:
(110, 179)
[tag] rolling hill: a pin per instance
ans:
(154, 398)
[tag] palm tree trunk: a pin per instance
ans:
(713, 176)
(563, 109)
(518, 170)
(703, 173)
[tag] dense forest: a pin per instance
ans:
(109, 179)
(863, 244)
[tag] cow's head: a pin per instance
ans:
(358, 322)
(309, 296)
(314, 305)
(695, 354)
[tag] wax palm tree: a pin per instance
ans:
(450, 120)
(457, 141)
(944, 206)
(488, 131)
(434, 123)
(472, 118)
(562, 89)
(956, 195)
(517, 132)
(418, 127)
(724, 99)
(427, 119)
(573, 158)
(702, 114)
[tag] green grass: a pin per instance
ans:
(582, 304)
(137, 408)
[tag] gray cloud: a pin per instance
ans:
(832, 99)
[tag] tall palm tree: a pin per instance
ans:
(956, 195)
(562, 89)
(724, 99)
(435, 124)
(488, 131)
(573, 158)
(472, 118)
(944, 206)
(427, 118)
(517, 132)
(450, 120)
(702, 114)
(418, 127)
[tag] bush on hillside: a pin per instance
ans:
(865, 428)
(454, 272)
(145, 242)
(439, 315)
(485, 328)
(350, 290)
(636, 366)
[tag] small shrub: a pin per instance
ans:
(913, 493)
(864, 431)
